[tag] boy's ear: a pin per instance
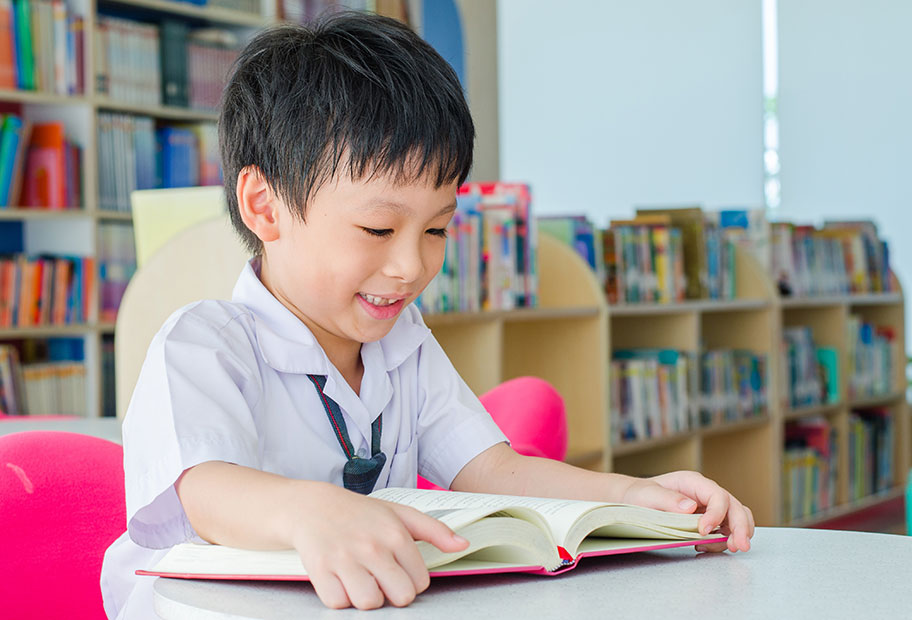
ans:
(257, 204)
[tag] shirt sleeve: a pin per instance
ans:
(193, 403)
(453, 425)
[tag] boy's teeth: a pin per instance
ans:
(377, 301)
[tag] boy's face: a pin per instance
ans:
(367, 249)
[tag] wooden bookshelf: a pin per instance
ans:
(77, 231)
(745, 456)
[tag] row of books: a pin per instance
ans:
(809, 471)
(46, 290)
(127, 56)
(871, 351)
(45, 377)
(871, 448)
(55, 388)
(662, 255)
(655, 393)
(41, 46)
(134, 153)
(490, 262)
(810, 373)
(244, 6)
(39, 165)
(838, 258)
(165, 62)
(665, 255)
(302, 11)
(809, 468)
(116, 265)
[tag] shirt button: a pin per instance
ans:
(362, 453)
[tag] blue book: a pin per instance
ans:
(10, 135)
(179, 157)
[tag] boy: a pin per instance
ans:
(343, 145)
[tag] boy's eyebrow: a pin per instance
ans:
(401, 209)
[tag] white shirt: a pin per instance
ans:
(227, 381)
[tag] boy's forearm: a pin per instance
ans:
(501, 470)
(242, 507)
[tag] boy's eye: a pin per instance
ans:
(379, 232)
(437, 232)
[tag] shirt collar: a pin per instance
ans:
(287, 345)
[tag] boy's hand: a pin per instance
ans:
(359, 551)
(686, 491)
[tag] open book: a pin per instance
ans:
(506, 534)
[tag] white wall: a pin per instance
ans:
(845, 110)
(607, 104)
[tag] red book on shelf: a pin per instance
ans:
(7, 51)
(44, 184)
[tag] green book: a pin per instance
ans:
(25, 57)
(828, 358)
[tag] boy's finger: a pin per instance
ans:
(716, 509)
(740, 522)
(395, 582)
(429, 529)
(329, 589)
(712, 547)
(360, 586)
(661, 498)
(410, 560)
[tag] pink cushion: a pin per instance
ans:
(531, 413)
(61, 506)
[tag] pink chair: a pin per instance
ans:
(530, 412)
(61, 506)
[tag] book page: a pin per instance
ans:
(558, 514)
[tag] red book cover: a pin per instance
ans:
(7, 51)
(44, 184)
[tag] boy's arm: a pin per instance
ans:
(357, 550)
(499, 469)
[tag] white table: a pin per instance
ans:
(789, 573)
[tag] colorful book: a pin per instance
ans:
(45, 170)
(506, 534)
(7, 46)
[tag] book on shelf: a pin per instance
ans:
(7, 46)
(870, 351)
(47, 377)
(178, 153)
(41, 46)
(648, 261)
(505, 534)
(15, 136)
(127, 60)
(809, 469)
(653, 392)
(51, 177)
(838, 258)
(871, 452)
(210, 55)
(43, 290)
(802, 378)
(490, 263)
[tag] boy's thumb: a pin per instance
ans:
(429, 529)
(668, 500)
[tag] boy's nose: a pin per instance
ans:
(405, 262)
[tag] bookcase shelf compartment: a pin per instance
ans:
(210, 14)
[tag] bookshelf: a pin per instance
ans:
(744, 456)
(79, 230)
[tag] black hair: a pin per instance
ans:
(352, 93)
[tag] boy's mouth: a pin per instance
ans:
(378, 301)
